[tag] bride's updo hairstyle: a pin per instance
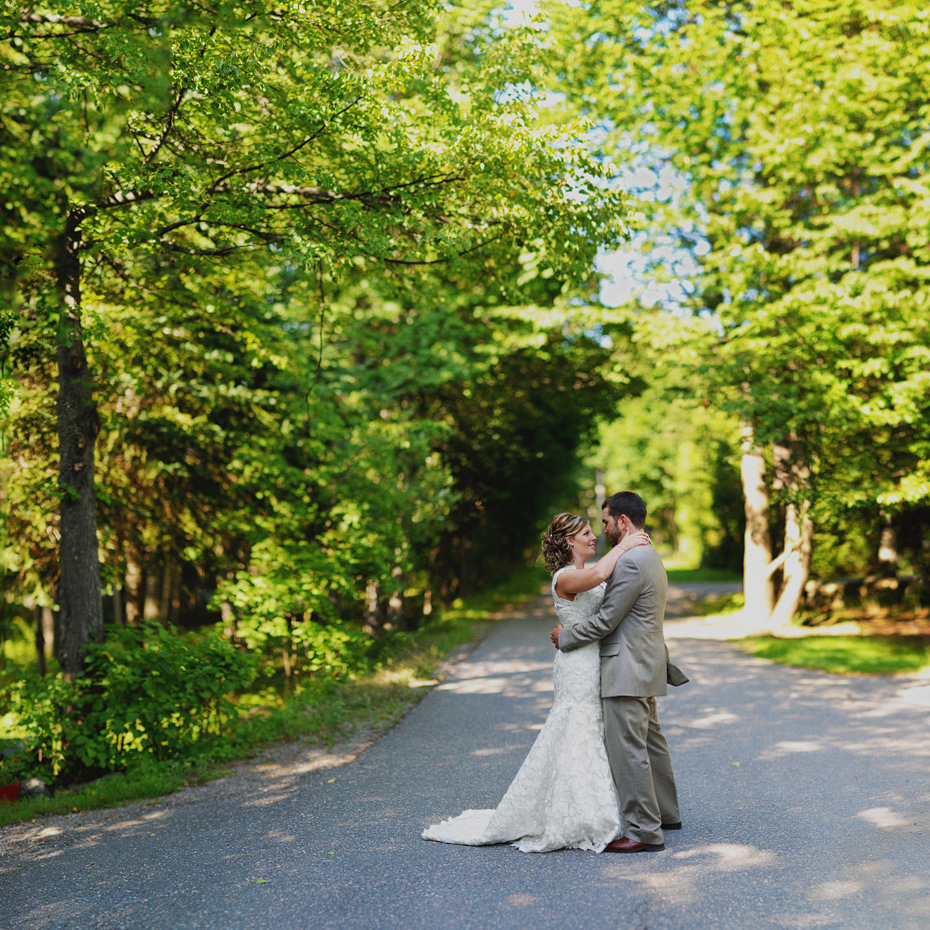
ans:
(555, 548)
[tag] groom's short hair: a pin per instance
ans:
(627, 504)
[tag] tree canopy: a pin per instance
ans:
(797, 133)
(263, 245)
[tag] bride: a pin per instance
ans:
(564, 795)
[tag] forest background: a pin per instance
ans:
(314, 313)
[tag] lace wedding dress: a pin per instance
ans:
(563, 796)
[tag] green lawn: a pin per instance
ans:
(844, 655)
(702, 576)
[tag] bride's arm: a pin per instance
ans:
(583, 579)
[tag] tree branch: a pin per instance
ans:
(384, 197)
(79, 25)
(775, 564)
(55, 20)
(293, 151)
(121, 199)
(172, 113)
(259, 233)
(439, 261)
(228, 250)
(318, 195)
(177, 224)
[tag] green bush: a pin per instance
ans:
(147, 692)
(288, 605)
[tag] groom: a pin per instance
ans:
(633, 673)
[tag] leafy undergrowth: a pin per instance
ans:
(844, 655)
(324, 711)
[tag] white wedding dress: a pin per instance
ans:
(563, 796)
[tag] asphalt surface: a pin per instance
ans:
(805, 799)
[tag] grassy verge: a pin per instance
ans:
(702, 576)
(719, 604)
(844, 655)
(324, 712)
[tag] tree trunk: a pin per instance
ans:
(373, 617)
(464, 585)
(757, 557)
(152, 601)
(167, 586)
(133, 592)
(40, 640)
(793, 475)
(445, 571)
(287, 648)
(230, 621)
(177, 582)
(888, 550)
(799, 538)
(81, 607)
(397, 605)
(119, 615)
(600, 494)
(56, 632)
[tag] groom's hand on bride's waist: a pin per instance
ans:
(554, 636)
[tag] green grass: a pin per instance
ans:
(323, 712)
(720, 604)
(151, 782)
(702, 576)
(844, 655)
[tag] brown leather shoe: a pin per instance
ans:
(626, 845)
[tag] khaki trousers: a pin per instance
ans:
(641, 767)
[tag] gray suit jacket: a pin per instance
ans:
(629, 627)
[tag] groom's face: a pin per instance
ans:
(613, 526)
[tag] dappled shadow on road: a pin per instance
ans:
(265, 780)
(805, 799)
(805, 794)
(736, 696)
(507, 677)
(237, 831)
(786, 771)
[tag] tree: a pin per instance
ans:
(669, 444)
(796, 130)
(218, 131)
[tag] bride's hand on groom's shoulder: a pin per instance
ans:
(554, 636)
(632, 540)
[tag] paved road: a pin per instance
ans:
(806, 801)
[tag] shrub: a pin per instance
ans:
(146, 691)
(287, 604)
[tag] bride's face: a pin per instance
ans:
(583, 542)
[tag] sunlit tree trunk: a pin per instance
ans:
(757, 558)
(792, 475)
(374, 621)
(799, 538)
(888, 550)
(81, 607)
